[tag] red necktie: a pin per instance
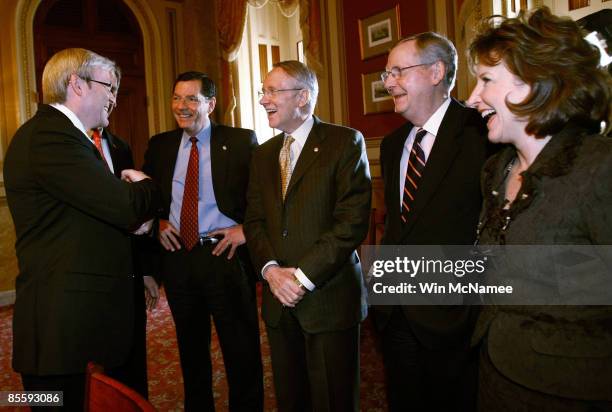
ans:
(97, 139)
(416, 165)
(189, 209)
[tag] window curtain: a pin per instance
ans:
(231, 19)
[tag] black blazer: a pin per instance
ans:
(74, 298)
(445, 211)
(323, 219)
(231, 149)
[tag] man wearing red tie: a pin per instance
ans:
(202, 170)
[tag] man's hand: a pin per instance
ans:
(169, 236)
(283, 285)
(151, 292)
(232, 238)
(144, 228)
(132, 176)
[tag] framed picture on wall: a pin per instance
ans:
(376, 99)
(378, 33)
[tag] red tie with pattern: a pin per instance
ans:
(97, 139)
(416, 165)
(189, 209)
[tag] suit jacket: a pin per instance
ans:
(74, 298)
(445, 211)
(317, 228)
(122, 158)
(231, 149)
(560, 350)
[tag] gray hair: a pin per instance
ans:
(433, 47)
(305, 77)
(67, 62)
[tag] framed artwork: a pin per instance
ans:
(378, 33)
(376, 99)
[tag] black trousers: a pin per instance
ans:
(423, 379)
(200, 286)
(134, 372)
(314, 372)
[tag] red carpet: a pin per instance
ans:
(165, 381)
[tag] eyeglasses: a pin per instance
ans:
(272, 92)
(110, 88)
(396, 72)
(187, 100)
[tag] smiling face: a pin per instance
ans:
(285, 108)
(496, 86)
(414, 92)
(190, 107)
(98, 101)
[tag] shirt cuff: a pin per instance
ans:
(304, 280)
(270, 263)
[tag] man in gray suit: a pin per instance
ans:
(308, 207)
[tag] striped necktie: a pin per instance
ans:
(416, 165)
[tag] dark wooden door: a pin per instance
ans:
(109, 28)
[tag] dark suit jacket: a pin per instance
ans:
(560, 350)
(75, 287)
(445, 211)
(231, 149)
(317, 228)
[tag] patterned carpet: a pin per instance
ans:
(165, 382)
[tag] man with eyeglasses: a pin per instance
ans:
(74, 293)
(431, 170)
(203, 170)
(117, 155)
(308, 209)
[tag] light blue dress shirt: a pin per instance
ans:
(209, 215)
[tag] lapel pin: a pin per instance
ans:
(224, 147)
(316, 149)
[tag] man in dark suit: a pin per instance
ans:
(308, 207)
(117, 154)
(74, 293)
(203, 169)
(431, 170)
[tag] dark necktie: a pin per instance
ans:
(416, 165)
(97, 139)
(189, 209)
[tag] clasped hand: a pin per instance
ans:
(283, 285)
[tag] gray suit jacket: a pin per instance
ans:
(317, 228)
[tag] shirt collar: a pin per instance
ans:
(201, 135)
(432, 125)
(71, 116)
(301, 133)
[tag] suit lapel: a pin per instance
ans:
(309, 153)
(395, 157)
(440, 158)
(114, 153)
(168, 161)
(273, 167)
(219, 152)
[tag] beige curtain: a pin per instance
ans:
(310, 23)
(231, 18)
